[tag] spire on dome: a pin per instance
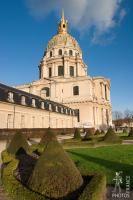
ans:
(63, 25)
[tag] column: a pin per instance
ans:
(66, 63)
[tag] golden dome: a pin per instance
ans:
(63, 38)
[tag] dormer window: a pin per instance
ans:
(42, 105)
(10, 97)
(60, 52)
(61, 110)
(33, 102)
(56, 108)
(50, 107)
(45, 92)
(23, 100)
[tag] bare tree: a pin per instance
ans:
(128, 116)
(117, 115)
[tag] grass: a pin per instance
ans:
(108, 160)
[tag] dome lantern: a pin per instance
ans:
(63, 25)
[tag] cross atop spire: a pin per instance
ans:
(63, 25)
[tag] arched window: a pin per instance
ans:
(51, 53)
(60, 70)
(60, 52)
(70, 53)
(45, 92)
(71, 71)
(76, 90)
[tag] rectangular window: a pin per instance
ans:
(22, 121)
(10, 121)
(33, 122)
(60, 70)
(50, 72)
(71, 71)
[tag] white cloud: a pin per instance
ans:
(101, 15)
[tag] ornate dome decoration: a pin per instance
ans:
(63, 39)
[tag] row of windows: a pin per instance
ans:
(32, 120)
(60, 53)
(46, 91)
(61, 71)
(43, 105)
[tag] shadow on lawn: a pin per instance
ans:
(115, 166)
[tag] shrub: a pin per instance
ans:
(13, 187)
(6, 157)
(96, 189)
(125, 130)
(97, 132)
(18, 144)
(88, 135)
(37, 147)
(111, 137)
(131, 132)
(102, 132)
(77, 134)
(55, 174)
(47, 137)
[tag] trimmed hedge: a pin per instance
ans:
(37, 147)
(97, 132)
(6, 157)
(111, 137)
(130, 133)
(48, 136)
(18, 143)
(55, 174)
(96, 189)
(77, 134)
(14, 188)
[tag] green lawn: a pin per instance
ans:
(107, 160)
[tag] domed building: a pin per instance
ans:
(63, 79)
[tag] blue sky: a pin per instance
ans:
(25, 30)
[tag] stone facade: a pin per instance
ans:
(19, 109)
(63, 78)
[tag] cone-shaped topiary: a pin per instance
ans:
(55, 175)
(88, 135)
(131, 132)
(18, 144)
(48, 136)
(102, 132)
(97, 132)
(77, 134)
(111, 137)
